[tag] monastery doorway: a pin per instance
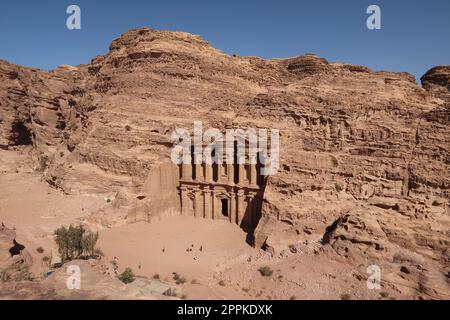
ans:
(224, 207)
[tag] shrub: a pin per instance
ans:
(222, 283)
(46, 258)
(338, 186)
(76, 242)
(127, 276)
(156, 276)
(16, 273)
(176, 276)
(170, 293)
(40, 250)
(88, 242)
(265, 271)
(180, 280)
(43, 162)
(98, 252)
(5, 276)
(346, 296)
(384, 294)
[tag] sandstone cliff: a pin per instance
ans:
(364, 154)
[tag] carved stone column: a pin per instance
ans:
(253, 175)
(233, 208)
(230, 174)
(198, 172)
(187, 172)
(208, 173)
(241, 173)
(225, 172)
(213, 205)
(198, 204)
(184, 200)
(191, 206)
(207, 204)
(240, 206)
(219, 172)
(197, 163)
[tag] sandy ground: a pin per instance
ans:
(191, 247)
(226, 267)
(35, 210)
(212, 256)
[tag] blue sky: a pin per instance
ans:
(415, 35)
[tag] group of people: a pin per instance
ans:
(188, 250)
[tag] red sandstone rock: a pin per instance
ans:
(348, 135)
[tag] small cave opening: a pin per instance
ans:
(16, 249)
(20, 134)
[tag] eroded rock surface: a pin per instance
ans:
(364, 154)
(14, 258)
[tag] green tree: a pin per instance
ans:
(127, 276)
(76, 242)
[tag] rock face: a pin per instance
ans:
(363, 153)
(14, 258)
(437, 77)
(437, 82)
(94, 284)
(6, 244)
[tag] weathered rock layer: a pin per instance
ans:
(367, 149)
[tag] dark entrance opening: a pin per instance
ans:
(17, 249)
(194, 167)
(224, 207)
(215, 167)
(235, 163)
(20, 135)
